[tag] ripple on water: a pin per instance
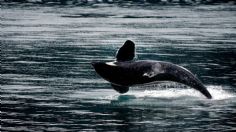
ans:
(49, 84)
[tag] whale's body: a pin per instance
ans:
(125, 72)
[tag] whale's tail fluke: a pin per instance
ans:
(180, 74)
(203, 90)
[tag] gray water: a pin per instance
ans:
(48, 84)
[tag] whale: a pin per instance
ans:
(125, 71)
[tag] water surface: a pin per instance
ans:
(48, 83)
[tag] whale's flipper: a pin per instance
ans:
(120, 89)
(126, 52)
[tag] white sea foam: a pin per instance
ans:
(217, 92)
(169, 93)
(173, 97)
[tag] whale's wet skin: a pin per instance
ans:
(125, 72)
(48, 83)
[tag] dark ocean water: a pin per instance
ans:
(48, 84)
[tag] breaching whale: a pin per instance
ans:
(125, 71)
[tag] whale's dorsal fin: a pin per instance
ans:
(126, 52)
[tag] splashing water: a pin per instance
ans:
(173, 97)
(156, 93)
(216, 91)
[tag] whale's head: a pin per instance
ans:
(103, 69)
(99, 67)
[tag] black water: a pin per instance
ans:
(48, 84)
